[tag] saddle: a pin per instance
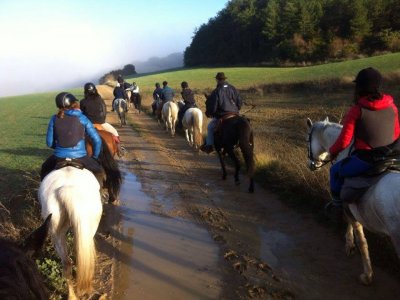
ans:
(218, 128)
(69, 162)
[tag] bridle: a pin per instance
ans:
(313, 166)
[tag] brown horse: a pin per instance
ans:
(113, 177)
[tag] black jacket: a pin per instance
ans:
(119, 93)
(225, 99)
(188, 97)
(94, 108)
(157, 91)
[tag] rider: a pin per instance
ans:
(167, 93)
(135, 96)
(119, 93)
(94, 108)
(373, 123)
(188, 98)
(223, 101)
(66, 135)
(156, 95)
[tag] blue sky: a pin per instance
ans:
(47, 45)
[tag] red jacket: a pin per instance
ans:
(350, 123)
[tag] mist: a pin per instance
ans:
(53, 45)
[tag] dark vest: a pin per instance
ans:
(376, 127)
(68, 131)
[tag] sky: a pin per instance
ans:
(53, 44)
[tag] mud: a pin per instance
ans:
(183, 233)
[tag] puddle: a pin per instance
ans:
(159, 257)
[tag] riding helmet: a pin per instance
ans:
(369, 79)
(89, 88)
(64, 100)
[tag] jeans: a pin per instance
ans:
(349, 167)
(210, 131)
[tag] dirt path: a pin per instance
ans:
(253, 246)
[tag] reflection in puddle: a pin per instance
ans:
(161, 258)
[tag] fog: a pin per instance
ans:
(62, 44)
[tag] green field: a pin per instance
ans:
(203, 78)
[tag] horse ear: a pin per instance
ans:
(309, 122)
(326, 119)
(34, 242)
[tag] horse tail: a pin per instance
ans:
(246, 144)
(197, 124)
(85, 228)
(113, 174)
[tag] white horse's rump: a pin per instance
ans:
(378, 209)
(193, 124)
(72, 196)
(108, 127)
(170, 116)
(120, 107)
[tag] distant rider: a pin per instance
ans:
(119, 93)
(167, 93)
(188, 98)
(373, 123)
(66, 135)
(157, 93)
(223, 101)
(135, 96)
(94, 108)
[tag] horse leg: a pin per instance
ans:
(366, 277)
(187, 136)
(235, 160)
(222, 161)
(350, 246)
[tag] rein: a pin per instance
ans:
(314, 162)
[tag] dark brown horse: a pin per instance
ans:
(107, 138)
(235, 131)
(19, 275)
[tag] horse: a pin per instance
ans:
(170, 116)
(113, 177)
(158, 109)
(72, 197)
(192, 122)
(378, 210)
(136, 99)
(120, 107)
(19, 275)
(108, 139)
(235, 131)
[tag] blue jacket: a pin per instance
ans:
(79, 150)
(225, 99)
(167, 94)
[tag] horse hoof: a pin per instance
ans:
(350, 250)
(366, 279)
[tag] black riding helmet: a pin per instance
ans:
(184, 85)
(368, 81)
(89, 88)
(64, 100)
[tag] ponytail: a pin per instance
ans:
(61, 111)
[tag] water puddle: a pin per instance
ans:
(161, 257)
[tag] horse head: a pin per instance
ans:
(318, 148)
(19, 276)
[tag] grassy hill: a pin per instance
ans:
(244, 77)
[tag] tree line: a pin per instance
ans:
(112, 75)
(277, 31)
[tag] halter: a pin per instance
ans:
(313, 166)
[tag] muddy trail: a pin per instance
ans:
(181, 232)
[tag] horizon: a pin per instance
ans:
(61, 45)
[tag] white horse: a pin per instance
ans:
(379, 208)
(120, 107)
(170, 116)
(193, 124)
(73, 198)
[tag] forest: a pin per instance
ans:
(295, 32)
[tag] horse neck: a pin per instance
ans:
(329, 136)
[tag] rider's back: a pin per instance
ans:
(94, 108)
(224, 100)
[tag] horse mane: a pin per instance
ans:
(19, 276)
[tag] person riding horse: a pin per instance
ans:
(167, 93)
(156, 96)
(135, 95)
(66, 135)
(119, 93)
(94, 108)
(223, 102)
(188, 99)
(373, 123)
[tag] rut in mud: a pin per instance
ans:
(183, 233)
